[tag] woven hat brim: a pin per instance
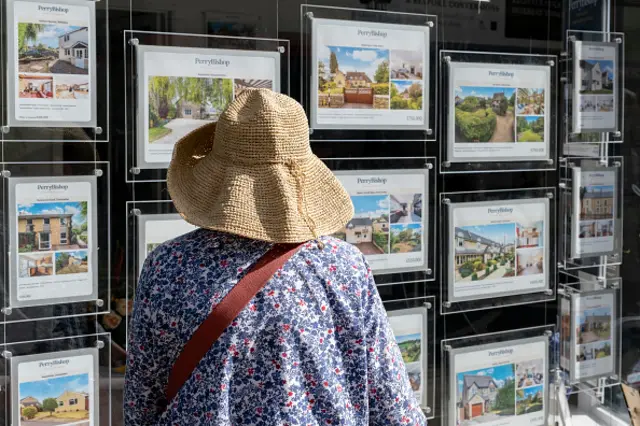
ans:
(256, 201)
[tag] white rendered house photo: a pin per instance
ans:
(73, 47)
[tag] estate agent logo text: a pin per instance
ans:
(52, 9)
(505, 74)
(372, 33)
(212, 61)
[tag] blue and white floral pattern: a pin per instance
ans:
(314, 347)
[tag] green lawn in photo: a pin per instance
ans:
(156, 133)
(530, 129)
(410, 350)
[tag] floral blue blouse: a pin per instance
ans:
(314, 347)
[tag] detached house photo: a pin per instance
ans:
(53, 48)
(479, 395)
(484, 252)
(596, 77)
(56, 401)
(368, 230)
(52, 226)
(594, 325)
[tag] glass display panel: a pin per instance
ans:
(498, 248)
(498, 378)
(57, 244)
(185, 82)
(53, 81)
(591, 202)
(368, 70)
(499, 111)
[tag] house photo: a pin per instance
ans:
(485, 395)
(51, 226)
(53, 48)
(484, 251)
(594, 325)
(529, 400)
(56, 401)
(353, 78)
(484, 114)
(406, 238)
(35, 86)
(596, 202)
(368, 230)
(35, 265)
(74, 262)
(596, 76)
(529, 235)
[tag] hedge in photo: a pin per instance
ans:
(477, 126)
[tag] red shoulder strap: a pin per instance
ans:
(224, 313)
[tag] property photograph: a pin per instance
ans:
(406, 238)
(35, 265)
(601, 349)
(529, 373)
(405, 208)
(406, 94)
(605, 228)
(530, 102)
(529, 400)
(530, 262)
(414, 371)
(596, 77)
(72, 87)
(353, 78)
(484, 114)
(596, 202)
(52, 226)
(410, 346)
(605, 103)
(56, 401)
(53, 48)
(179, 105)
(587, 229)
(406, 65)
(529, 235)
(241, 84)
(594, 325)
(588, 103)
(485, 395)
(368, 230)
(530, 129)
(72, 262)
(35, 86)
(484, 252)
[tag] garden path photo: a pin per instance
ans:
(484, 114)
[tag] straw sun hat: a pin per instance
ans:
(253, 174)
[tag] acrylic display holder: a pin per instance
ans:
(48, 364)
(145, 50)
(591, 212)
(524, 134)
(594, 111)
(589, 317)
(391, 117)
(404, 317)
(394, 256)
(70, 70)
(525, 360)
(486, 262)
(26, 251)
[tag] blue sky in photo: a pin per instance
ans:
(82, 254)
(529, 391)
(530, 118)
(402, 85)
(604, 66)
(49, 37)
(370, 205)
(503, 233)
(53, 208)
(404, 338)
(483, 91)
(354, 58)
(599, 188)
(53, 388)
(500, 374)
(402, 226)
(605, 310)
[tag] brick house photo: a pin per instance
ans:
(485, 395)
(52, 226)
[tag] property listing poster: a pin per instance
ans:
(498, 112)
(498, 248)
(565, 333)
(594, 325)
(388, 225)
(155, 229)
(500, 384)
(369, 75)
(53, 240)
(52, 67)
(182, 89)
(58, 388)
(594, 207)
(409, 329)
(594, 86)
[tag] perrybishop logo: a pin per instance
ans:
(53, 363)
(52, 187)
(500, 210)
(501, 352)
(372, 181)
(212, 61)
(372, 33)
(50, 9)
